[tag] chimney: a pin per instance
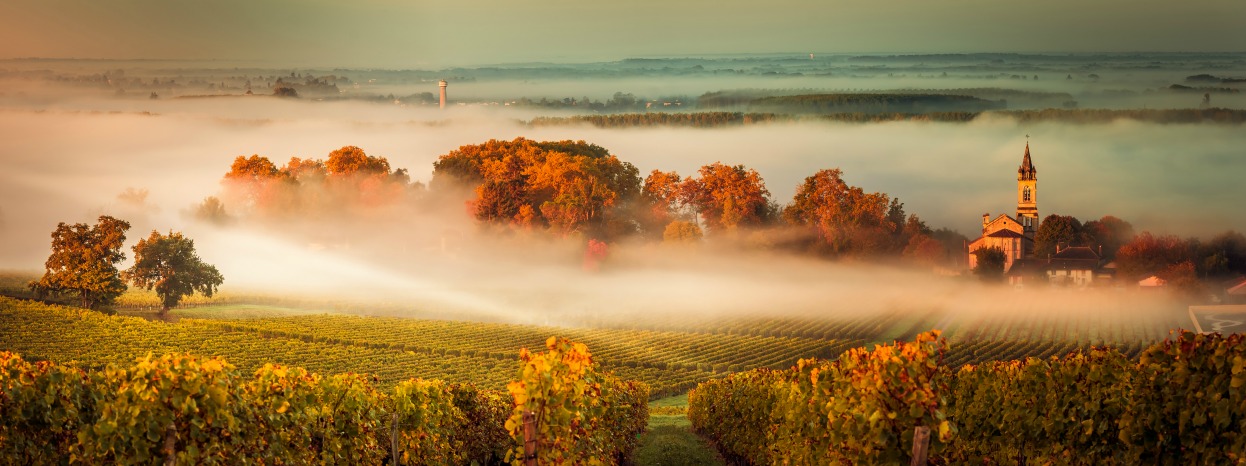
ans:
(986, 219)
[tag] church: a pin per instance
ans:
(1013, 235)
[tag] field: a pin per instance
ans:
(671, 354)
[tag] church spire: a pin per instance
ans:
(1027, 171)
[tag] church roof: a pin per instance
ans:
(1027, 170)
(1005, 234)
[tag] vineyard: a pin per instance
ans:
(1180, 402)
(392, 349)
(672, 353)
(758, 395)
(180, 409)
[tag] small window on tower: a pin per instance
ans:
(1025, 194)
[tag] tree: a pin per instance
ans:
(990, 264)
(1223, 255)
(1054, 230)
(681, 232)
(1148, 254)
(168, 264)
(662, 199)
(849, 220)
(728, 197)
(84, 262)
(1108, 232)
(566, 186)
(212, 210)
(351, 160)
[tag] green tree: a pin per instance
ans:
(168, 264)
(990, 264)
(84, 262)
(1054, 230)
(1108, 232)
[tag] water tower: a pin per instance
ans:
(442, 85)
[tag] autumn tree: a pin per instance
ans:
(254, 182)
(728, 197)
(351, 160)
(663, 200)
(169, 265)
(350, 182)
(847, 219)
(925, 250)
(562, 186)
(990, 264)
(84, 262)
(681, 232)
(1056, 230)
(1148, 254)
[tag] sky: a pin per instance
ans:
(405, 34)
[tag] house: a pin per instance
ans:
(1235, 293)
(1075, 266)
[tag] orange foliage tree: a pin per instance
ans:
(563, 186)
(728, 197)
(847, 219)
(348, 181)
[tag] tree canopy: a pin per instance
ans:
(350, 182)
(169, 265)
(990, 264)
(728, 197)
(1056, 230)
(562, 186)
(1148, 254)
(84, 262)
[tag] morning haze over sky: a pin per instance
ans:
(418, 34)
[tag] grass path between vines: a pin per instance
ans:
(670, 441)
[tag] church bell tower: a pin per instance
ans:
(1027, 194)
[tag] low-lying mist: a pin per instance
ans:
(76, 160)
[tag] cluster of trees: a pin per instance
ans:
(571, 187)
(719, 119)
(1106, 235)
(348, 181)
(1181, 262)
(872, 103)
(565, 186)
(83, 265)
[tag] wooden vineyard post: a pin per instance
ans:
(393, 440)
(170, 444)
(529, 438)
(921, 443)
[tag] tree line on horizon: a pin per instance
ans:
(577, 189)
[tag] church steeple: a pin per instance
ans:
(1027, 171)
(1027, 193)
